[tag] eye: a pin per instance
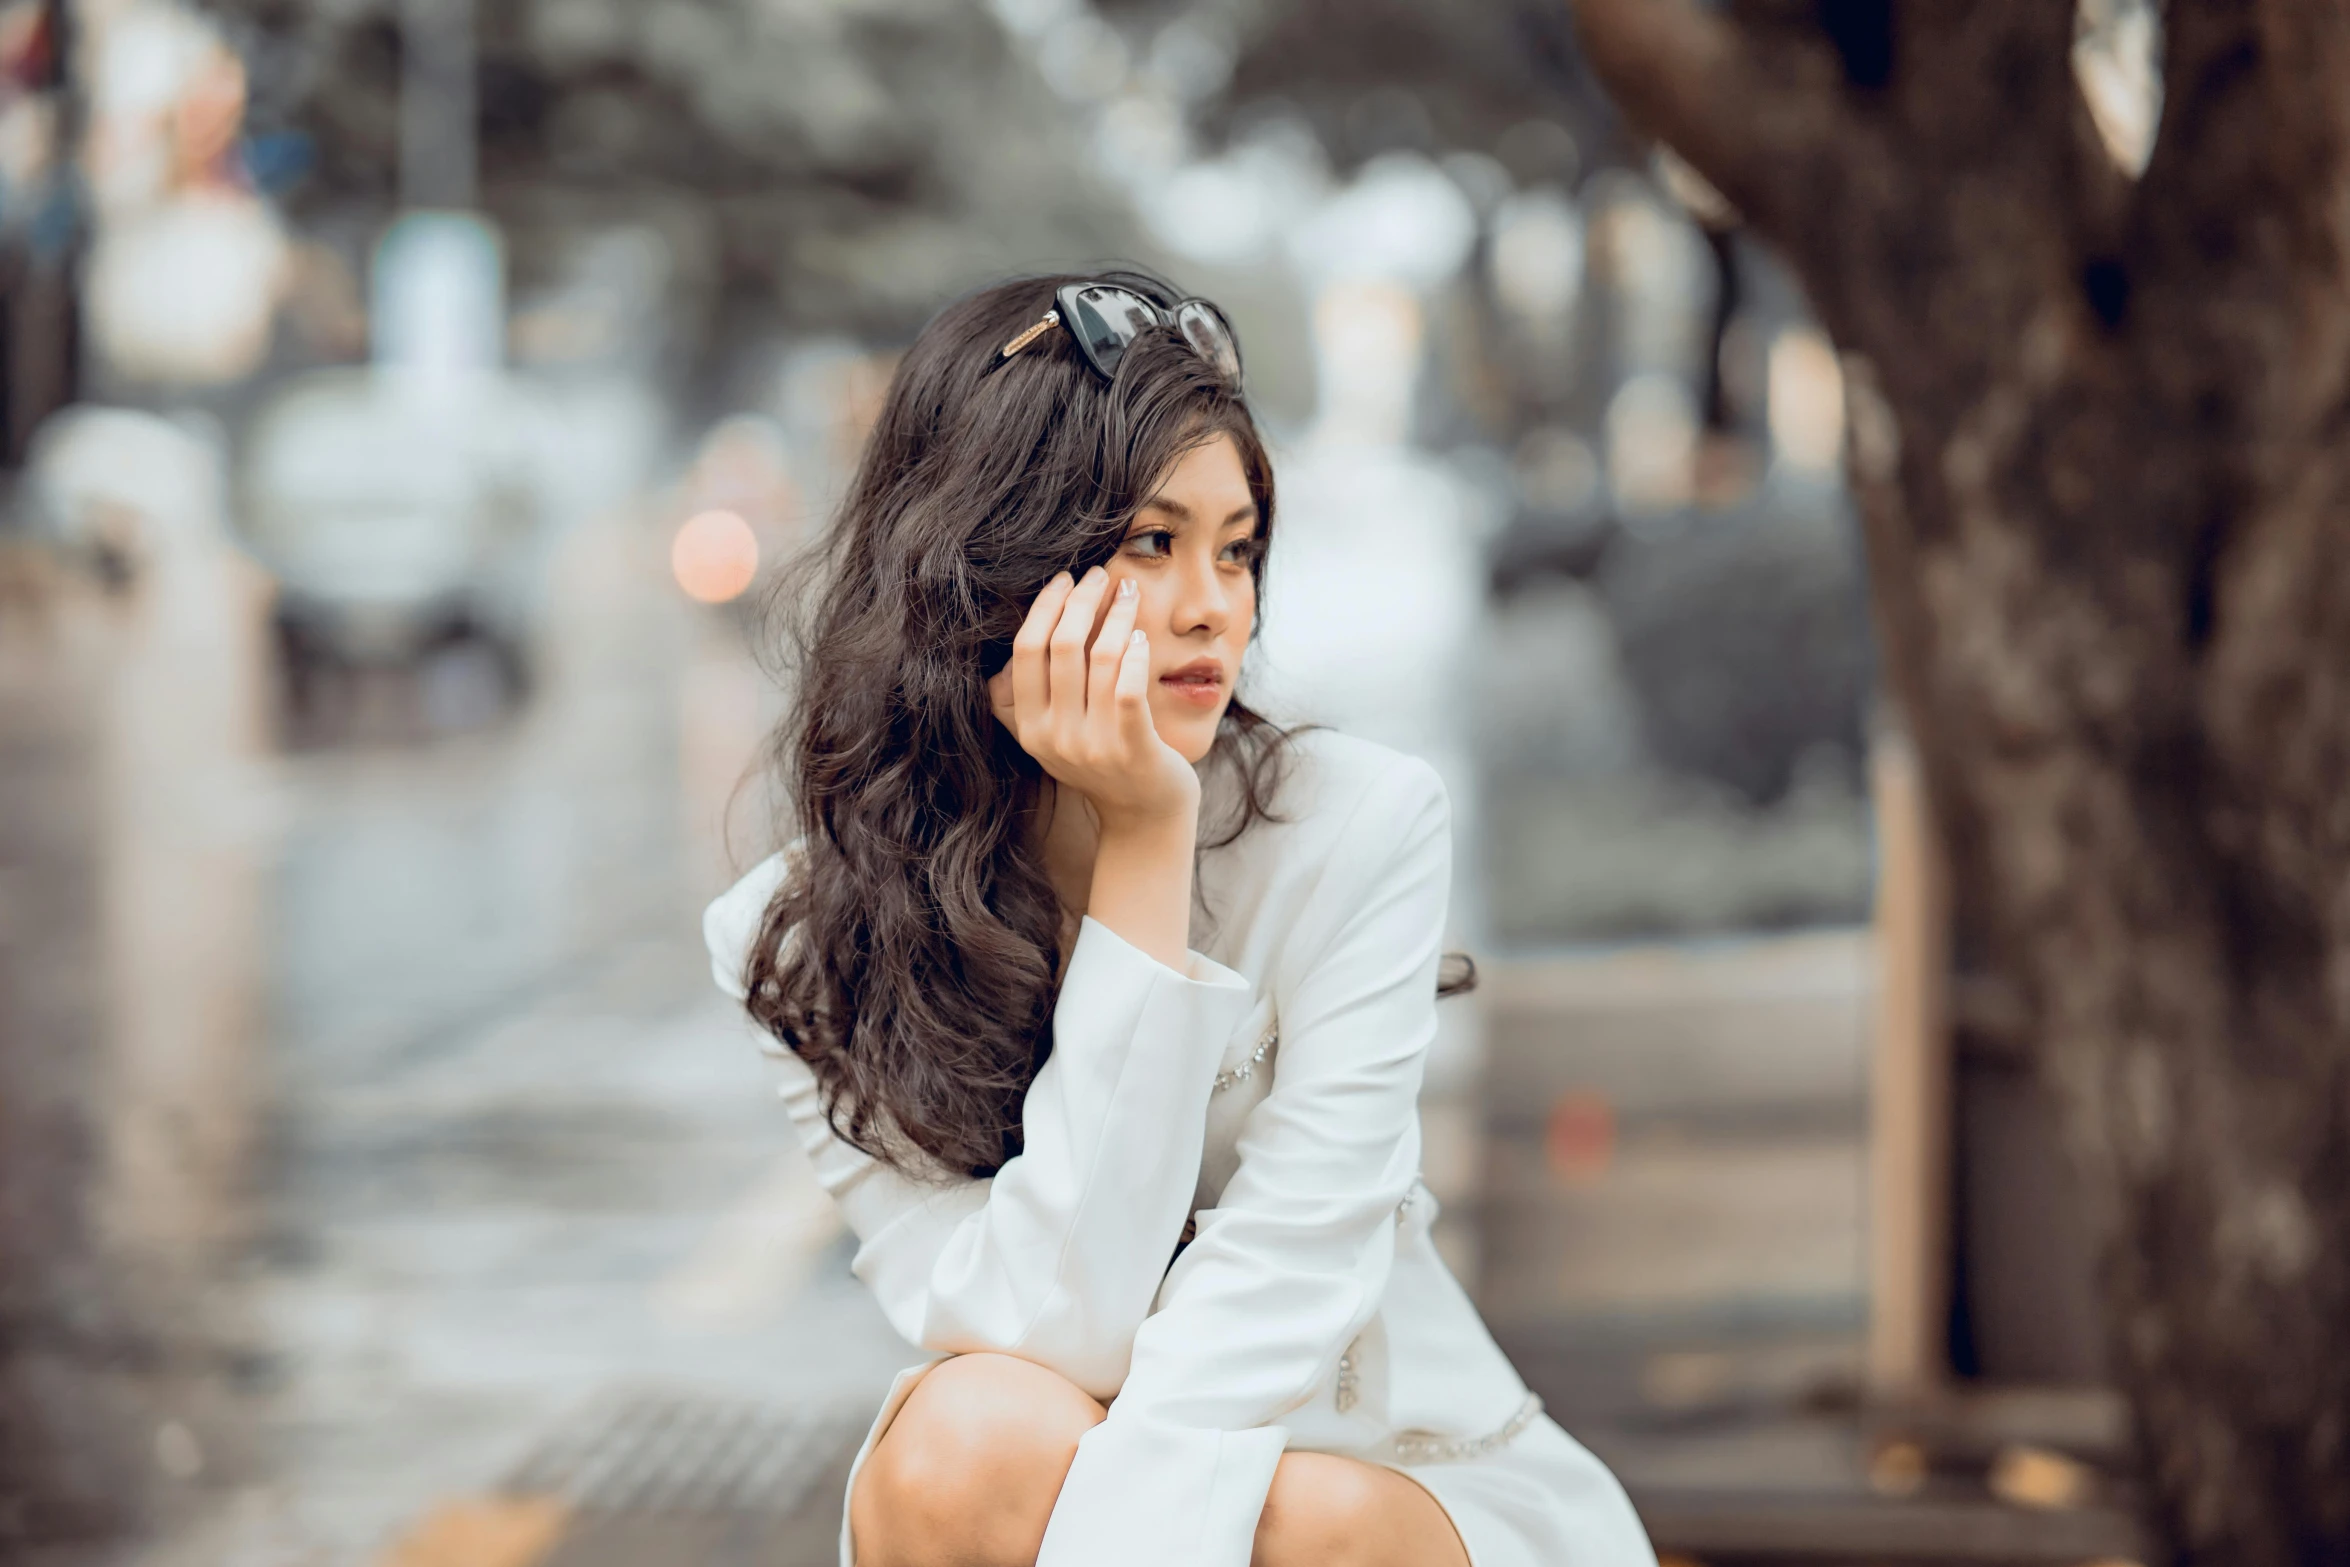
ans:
(1244, 551)
(1152, 544)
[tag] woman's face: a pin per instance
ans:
(1190, 552)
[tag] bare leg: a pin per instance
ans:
(967, 1474)
(1328, 1511)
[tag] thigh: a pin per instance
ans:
(1326, 1509)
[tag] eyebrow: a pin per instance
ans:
(1183, 513)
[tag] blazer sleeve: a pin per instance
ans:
(1057, 1256)
(1293, 1261)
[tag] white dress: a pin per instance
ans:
(1272, 1091)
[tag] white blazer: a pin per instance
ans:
(1271, 1089)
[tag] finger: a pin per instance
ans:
(1000, 699)
(1075, 629)
(1134, 689)
(1029, 646)
(1108, 658)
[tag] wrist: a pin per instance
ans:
(1154, 826)
(1141, 887)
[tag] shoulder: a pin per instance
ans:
(1356, 859)
(1348, 817)
(731, 923)
(1360, 790)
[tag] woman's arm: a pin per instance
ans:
(1057, 1256)
(1293, 1261)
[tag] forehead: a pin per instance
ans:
(1209, 480)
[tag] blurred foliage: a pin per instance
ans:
(838, 166)
(1499, 77)
(1675, 741)
(1747, 645)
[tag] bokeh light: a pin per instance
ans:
(714, 556)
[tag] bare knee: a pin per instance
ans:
(1327, 1511)
(1318, 1510)
(967, 1473)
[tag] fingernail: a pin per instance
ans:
(1126, 588)
(1138, 639)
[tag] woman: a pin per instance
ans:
(1103, 1002)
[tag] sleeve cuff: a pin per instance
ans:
(1146, 1494)
(1108, 950)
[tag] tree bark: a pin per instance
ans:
(2097, 443)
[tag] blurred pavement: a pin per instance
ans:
(521, 1154)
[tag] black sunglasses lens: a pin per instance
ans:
(1104, 320)
(1210, 336)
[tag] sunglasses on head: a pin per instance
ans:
(1105, 319)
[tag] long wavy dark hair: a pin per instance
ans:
(923, 955)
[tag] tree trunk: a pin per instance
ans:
(2097, 440)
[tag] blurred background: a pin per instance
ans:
(403, 403)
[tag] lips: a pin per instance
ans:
(1201, 681)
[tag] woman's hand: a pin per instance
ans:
(1079, 702)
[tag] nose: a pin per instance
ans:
(1203, 598)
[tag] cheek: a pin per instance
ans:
(1154, 604)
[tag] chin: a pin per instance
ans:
(1193, 735)
(1194, 747)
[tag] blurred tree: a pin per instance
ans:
(1747, 646)
(836, 166)
(2096, 442)
(1499, 90)
(1370, 76)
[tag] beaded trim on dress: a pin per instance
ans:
(1247, 1069)
(1428, 1447)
